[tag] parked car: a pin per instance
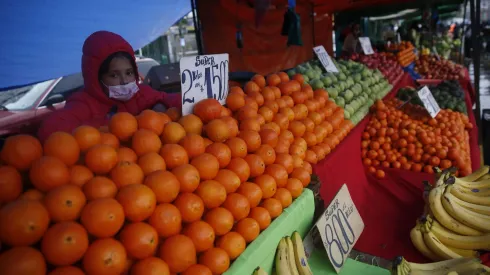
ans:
(23, 108)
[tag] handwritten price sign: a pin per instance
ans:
(325, 59)
(367, 48)
(429, 101)
(338, 229)
(201, 77)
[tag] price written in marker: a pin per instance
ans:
(429, 101)
(366, 46)
(339, 229)
(202, 77)
(325, 59)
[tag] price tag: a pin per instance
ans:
(366, 45)
(429, 101)
(325, 59)
(201, 77)
(337, 230)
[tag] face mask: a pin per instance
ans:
(123, 92)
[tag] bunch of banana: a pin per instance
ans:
(291, 258)
(454, 266)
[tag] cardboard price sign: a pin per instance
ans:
(429, 101)
(201, 77)
(366, 45)
(337, 230)
(325, 59)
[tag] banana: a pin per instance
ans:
(480, 172)
(439, 248)
(282, 262)
(485, 210)
(445, 265)
(453, 273)
(299, 255)
(469, 267)
(467, 253)
(418, 241)
(444, 218)
(484, 177)
(479, 192)
(291, 258)
(458, 241)
(475, 220)
(461, 194)
(259, 271)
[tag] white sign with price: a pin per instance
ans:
(366, 45)
(202, 77)
(429, 101)
(325, 59)
(338, 229)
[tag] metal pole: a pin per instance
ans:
(197, 27)
(462, 46)
(475, 35)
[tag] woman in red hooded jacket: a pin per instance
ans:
(110, 85)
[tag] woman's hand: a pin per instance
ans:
(159, 107)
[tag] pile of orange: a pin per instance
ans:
(161, 193)
(408, 138)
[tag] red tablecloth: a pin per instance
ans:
(388, 207)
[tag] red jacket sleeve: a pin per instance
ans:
(65, 120)
(152, 97)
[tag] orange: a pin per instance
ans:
(285, 160)
(178, 252)
(166, 219)
(238, 205)
(32, 194)
(164, 184)
(216, 259)
(212, 193)
(297, 128)
(259, 80)
(236, 89)
(257, 96)
(232, 125)
(151, 120)
(139, 239)
(279, 173)
(123, 125)
(252, 139)
(303, 175)
(190, 205)
(150, 266)
(29, 261)
(10, 184)
(228, 179)
(267, 184)
(49, 172)
(252, 192)
(240, 167)
(238, 147)
(188, 177)
(235, 101)
(266, 113)
(269, 137)
(126, 173)
(193, 145)
(192, 124)
(261, 215)
(207, 165)
(287, 135)
(273, 206)
(307, 166)
(138, 201)
(282, 120)
(250, 124)
(64, 243)
(63, 146)
(126, 154)
(207, 109)
(311, 157)
(79, 175)
(256, 164)
(66, 270)
(282, 147)
(295, 187)
(220, 219)
(284, 76)
(31, 219)
(233, 243)
(20, 151)
(201, 234)
(173, 133)
(217, 130)
(105, 256)
(99, 187)
(174, 155)
(251, 86)
(273, 80)
(86, 137)
(103, 217)
(222, 152)
(151, 162)
(247, 111)
(174, 114)
(100, 159)
(145, 141)
(248, 228)
(267, 153)
(65, 203)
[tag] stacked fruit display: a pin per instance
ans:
(456, 223)
(449, 267)
(385, 63)
(448, 94)
(408, 138)
(159, 192)
(431, 67)
(354, 88)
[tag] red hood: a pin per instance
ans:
(97, 47)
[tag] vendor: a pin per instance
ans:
(351, 42)
(110, 85)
